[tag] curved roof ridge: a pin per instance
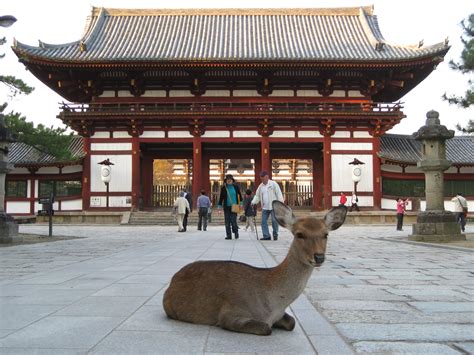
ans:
(49, 45)
(93, 24)
(368, 29)
(324, 11)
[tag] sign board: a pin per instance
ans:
(44, 200)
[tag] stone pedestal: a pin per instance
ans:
(8, 229)
(435, 224)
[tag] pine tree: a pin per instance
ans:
(465, 66)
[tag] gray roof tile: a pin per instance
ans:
(121, 35)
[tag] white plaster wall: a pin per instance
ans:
(216, 134)
(391, 168)
(342, 173)
(179, 134)
(71, 205)
(245, 93)
(217, 93)
(309, 134)
(307, 93)
(121, 173)
(412, 169)
(101, 135)
(338, 93)
(153, 134)
(180, 93)
(108, 93)
(354, 93)
(18, 207)
(72, 169)
(282, 93)
(18, 171)
(154, 93)
(361, 134)
(246, 134)
(365, 201)
(351, 146)
(121, 134)
(114, 201)
(451, 170)
(283, 134)
(342, 134)
(111, 146)
(124, 93)
(28, 188)
(48, 170)
(467, 170)
(391, 204)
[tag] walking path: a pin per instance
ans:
(102, 294)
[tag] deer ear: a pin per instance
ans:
(283, 214)
(335, 217)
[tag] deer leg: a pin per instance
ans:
(286, 322)
(238, 323)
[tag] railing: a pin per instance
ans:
(166, 195)
(223, 107)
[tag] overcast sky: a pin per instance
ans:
(401, 22)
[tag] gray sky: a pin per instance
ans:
(401, 22)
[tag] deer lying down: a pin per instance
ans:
(247, 299)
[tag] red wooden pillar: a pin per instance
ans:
(377, 174)
(197, 168)
(32, 194)
(147, 178)
(86, 175)
(327, 172)
(317, 182)
(205, 177)
(265, 162)
(135, 172)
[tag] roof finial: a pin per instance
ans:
(82, 46)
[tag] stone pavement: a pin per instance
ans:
(101, 294)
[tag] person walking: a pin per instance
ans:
(229, 201)
(250, 211)
(267, 192)
(188, 197)
(401, 207)
(181, 205)
(460, 209)
(354, 201)
(342, 199)
(203, 205)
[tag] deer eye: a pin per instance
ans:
(325, 236)
(300, 236)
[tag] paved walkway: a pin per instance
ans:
(102, 294)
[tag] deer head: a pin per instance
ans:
(310, 234)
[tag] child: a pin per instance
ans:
(249, 211)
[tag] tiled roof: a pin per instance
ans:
(24, 154)
(331, 34)
(406, 149)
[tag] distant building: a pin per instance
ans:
(179, 98)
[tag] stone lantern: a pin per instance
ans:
(8, 227)
(435, 224)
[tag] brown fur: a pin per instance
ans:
(244, 298)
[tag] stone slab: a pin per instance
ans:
(404, 348)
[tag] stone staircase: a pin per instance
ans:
(164, 218)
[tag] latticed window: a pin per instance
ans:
(416, 188)
(16, 188)
(60, 188)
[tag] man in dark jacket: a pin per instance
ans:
(188, 197)
(230, 195)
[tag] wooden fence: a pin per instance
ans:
(165, 195)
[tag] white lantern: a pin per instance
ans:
(356, 173)
(105, 173)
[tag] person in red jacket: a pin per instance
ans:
(342, 199)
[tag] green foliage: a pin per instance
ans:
(50, 140)
(16, 86)
(465, 66)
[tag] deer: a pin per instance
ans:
(242, 298)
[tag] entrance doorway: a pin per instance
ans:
(295, 177)
(170, 176)
(243, 171)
